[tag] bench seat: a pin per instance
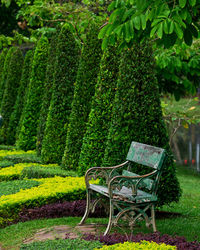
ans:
(125, 194)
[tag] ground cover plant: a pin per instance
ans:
(62, 245)
(32, 170)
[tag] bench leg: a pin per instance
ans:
(110, 222)
(153, 218)
(87, 210)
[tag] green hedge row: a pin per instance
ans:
(94, 140)
(83, 93)
(19, 104)
(28, 131)
(48, 88)
(10, 92)
(67, 58)
(137, 116)
(2, 72)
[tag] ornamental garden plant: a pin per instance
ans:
(83, 94)
(12, 82)
(20, 100)
(28, 131)
(67, 59)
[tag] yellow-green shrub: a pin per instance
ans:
(14, 152)
(14, 172)
(49, 191)
(141, 245)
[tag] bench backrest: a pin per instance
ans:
(146, 155)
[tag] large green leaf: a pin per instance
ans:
(182, 3)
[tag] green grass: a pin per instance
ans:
(186, 224)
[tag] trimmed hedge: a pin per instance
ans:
(19, 104)
(83, 93)
(137, 116)
(49, 191)
(13, 187)
(138, 246)
(45, 172)
(2, 60)
(47, 93)
(6, 163)
(10, 91)
(94, 140)
(28, 132)
(67, 57)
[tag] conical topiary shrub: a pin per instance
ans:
(2, 60)
(67, 57)
(19, 104)
(28, 132)
(4, 72)
(10, 91)
(83, 93)
(47, 93)
(137, 116)
(94, 140)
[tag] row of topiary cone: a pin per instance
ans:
(82, 108)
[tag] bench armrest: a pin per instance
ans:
(132, 182)
(103, 172)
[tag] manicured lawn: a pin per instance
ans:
(186, 223)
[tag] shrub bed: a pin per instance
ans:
(178, 241)
(56, 210)
(6, 163)
(12, 187)
(18, 171)
(49, 191)
(62, 245)
(136, 246)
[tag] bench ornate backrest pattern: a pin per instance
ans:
(146, 155)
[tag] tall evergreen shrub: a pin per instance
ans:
(10, 91)
(67, 57)
(84, 90)
(28, 132)
(137, 116)
(2, 60)
(19, 104)
(47, 93)
(4, 73)
(94, 140)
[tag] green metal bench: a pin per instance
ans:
(130, 195)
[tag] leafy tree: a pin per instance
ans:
(168, 22)
(4, 73)
(67, 57)
(83, 93)
(47, 93)
(137, 116)
(19, 104)
(98, 124)
(28, 132)
(178, 69)
(11, 88)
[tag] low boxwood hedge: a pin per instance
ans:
(49, 191)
